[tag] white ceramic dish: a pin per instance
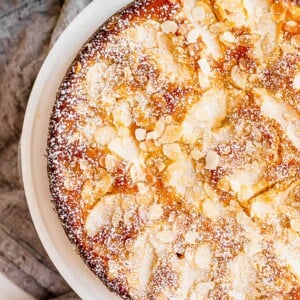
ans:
(33, 149)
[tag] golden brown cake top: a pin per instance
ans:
(174, 150)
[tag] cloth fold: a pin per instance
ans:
(29, 28)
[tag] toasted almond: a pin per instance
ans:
(239, 77)
(142, 187)
(123, 131)
(147, 146)
(110, 162)
(296, 82)
(203, 80)
(160, 166)
(103, 186)
(261, 209)
(227, 38)
(122, 114)
(203, 13)
(101, 213)
(291, 27)
(155, 212)
(172, 134)
(141, 34)
(193, 36)
(204, 66)
(87, 191)
(219, 27)
(169, 27)
(203, 256)
(197, 154)
(295, 40)
(212, 208)
(294, 12)
(198, 13)
(295, 224)
(152, 135)
(166, 236)
(125, 148)
(104, 135)
(172, 151)
(212, 160)
(191, 237)
(113, 267)
(140, 134)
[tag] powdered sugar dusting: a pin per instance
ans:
(166, 156)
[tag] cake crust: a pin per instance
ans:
(174, 150)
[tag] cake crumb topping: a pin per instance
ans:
(174, 149)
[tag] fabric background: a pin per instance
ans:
(28, 29)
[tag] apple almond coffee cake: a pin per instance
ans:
(174, 150)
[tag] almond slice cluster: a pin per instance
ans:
(174, 150)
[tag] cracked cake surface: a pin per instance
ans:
(174, 150)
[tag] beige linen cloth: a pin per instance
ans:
(28, 29)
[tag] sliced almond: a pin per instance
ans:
(122, 114)
(261, 209)
(125, 148)
(193, 36)
(140, 134)
(203, 256)
(101, 213)
(172, 134)
(155, 212)
(104, 135)
(295, 40)
(291, 27)
(87, 192)
(227, 38)
(169, 27)
(295, 224)
(147, 146)
(191, 237)
(212, 208)
(152, 135)
(180, 175)
(212, 160)
(142, 187)
(110, 162)
(102, 186)
(198, 13)
(294, 12)
(296, 82)
(202, 13)
(113, 268)
(166, 236)
(172, 151)
(197, 154)
(203, 80)
(141, 34)
(219, 27)
(239, 77)
(204, 66)
(123, 131)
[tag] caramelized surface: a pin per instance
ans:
(174, 150)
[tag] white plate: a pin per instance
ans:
(33, 150)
